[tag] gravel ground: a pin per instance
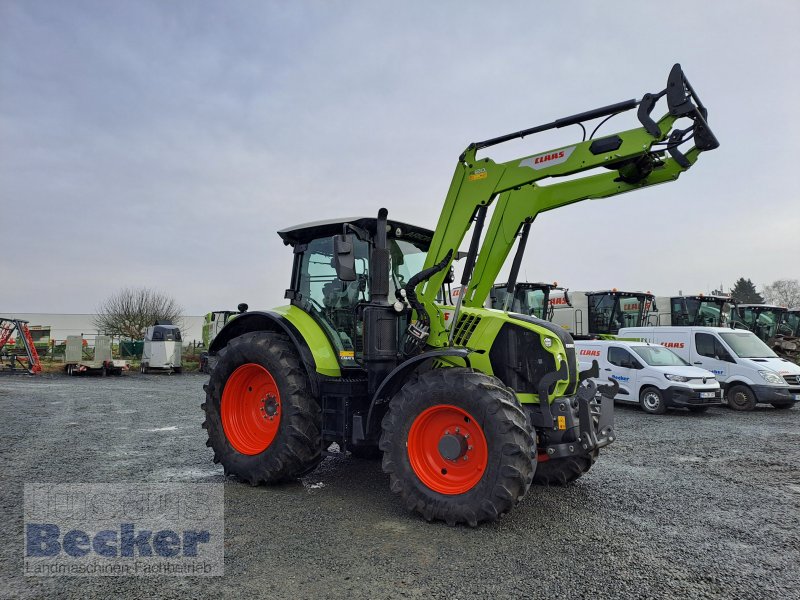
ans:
(684, 505)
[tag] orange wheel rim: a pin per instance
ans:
(447, 449)
(251, 409)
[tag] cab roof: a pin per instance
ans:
(622, 293)
(301, 234)
(706, 297)
(767, 306)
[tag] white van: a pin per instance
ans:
(749, 371)
(651, 375)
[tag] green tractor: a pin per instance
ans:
(468, 405)
(213, 322)
(529, 298)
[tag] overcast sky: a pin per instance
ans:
(163, 143)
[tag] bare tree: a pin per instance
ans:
(783, 292)
(132, 310)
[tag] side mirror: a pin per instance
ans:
(344, 257)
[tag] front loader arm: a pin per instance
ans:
(517, 206)
(632, 159)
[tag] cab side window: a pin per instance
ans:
(709, 346)
(622, 358)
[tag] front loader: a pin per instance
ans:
(468, 405)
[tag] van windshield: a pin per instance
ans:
(658, 356)
(745, 344)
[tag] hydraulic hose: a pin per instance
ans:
(424, 275)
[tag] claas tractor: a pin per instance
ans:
(528, 298)
(467, 405)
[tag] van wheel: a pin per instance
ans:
(652, 401)
(741, 397)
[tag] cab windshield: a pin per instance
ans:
(526, 301)
(746, 345)
(694, 311)
(407, 259)
(791, 320)
(658, 356)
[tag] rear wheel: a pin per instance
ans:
(652, 401)
(741, 397)
(263, 424)
(457, 447)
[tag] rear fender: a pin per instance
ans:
(305, 334)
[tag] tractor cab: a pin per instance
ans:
(532, 299)
(765, 320)
(610, 311)
(334, 298)
(701, 310)
(790, 325)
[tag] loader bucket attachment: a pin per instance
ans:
(682, 101)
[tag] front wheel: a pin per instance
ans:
(263, 424)
(741, 397)
(457, 447)
(652, 401)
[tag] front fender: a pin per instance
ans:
(397, 378)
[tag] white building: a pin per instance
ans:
(62, 325)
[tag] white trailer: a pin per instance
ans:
(102, 363)
(162, 348)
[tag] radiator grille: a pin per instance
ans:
(464, 329)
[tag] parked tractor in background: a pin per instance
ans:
(773, 324)
(791, 321)
(468, 405)
(701, 310)
(601, 314)
(212, 325)
(532, 299)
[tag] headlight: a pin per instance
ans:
(771, 377)
(680, 378)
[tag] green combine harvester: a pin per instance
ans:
(468, 405)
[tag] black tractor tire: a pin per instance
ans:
(652, 401)
(741, 397)
(783, 405)
(698, 409)
(480, 416)
(295, 447)
(561, 471)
